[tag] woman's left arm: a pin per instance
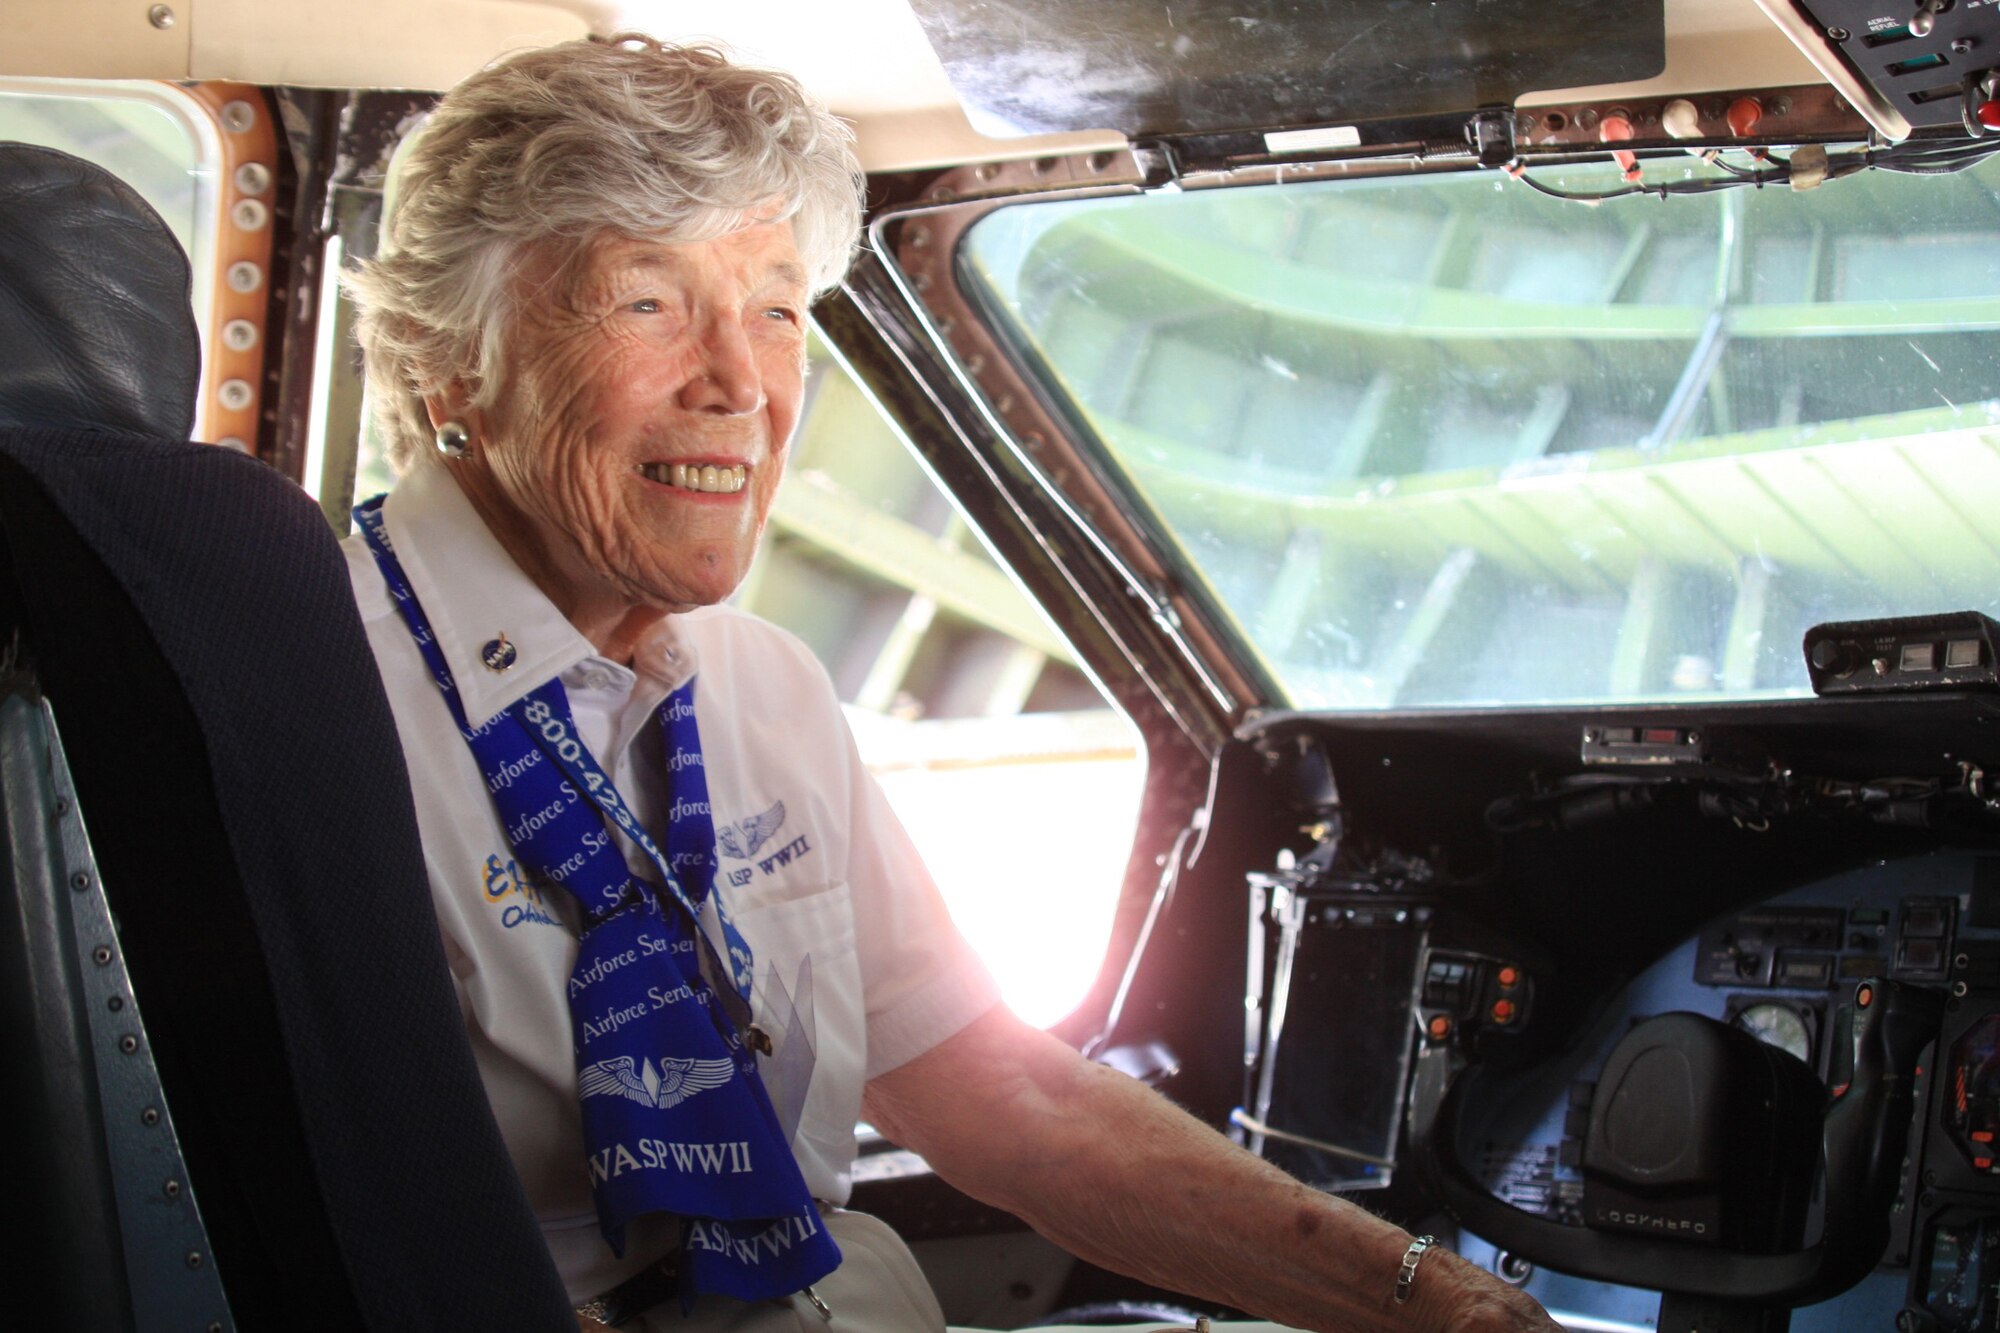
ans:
(1120, 1176)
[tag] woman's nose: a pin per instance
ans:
(727, 380)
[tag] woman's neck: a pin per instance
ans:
(602, 613)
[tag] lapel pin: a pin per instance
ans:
(498, 654)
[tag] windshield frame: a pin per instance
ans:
(920, 236)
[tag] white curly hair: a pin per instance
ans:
(621, 135)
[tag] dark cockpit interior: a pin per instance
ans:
(1531, 496)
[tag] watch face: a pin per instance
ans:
(1780, 1025)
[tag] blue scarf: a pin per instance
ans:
(675, 1117)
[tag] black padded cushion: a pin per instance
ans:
(95, 325)
(239, 771)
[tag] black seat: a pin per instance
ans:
(187, 615)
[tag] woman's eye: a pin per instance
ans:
(785, 313)
(648, 306)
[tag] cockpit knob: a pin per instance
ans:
(1831, 657)
(1680, 119)
(1617, 128)
(1989, 114)
(1745, 113)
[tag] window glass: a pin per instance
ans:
(1018, 782)
(1441, 440)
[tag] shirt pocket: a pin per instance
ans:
(819, 925)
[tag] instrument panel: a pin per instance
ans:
(1784, 971)
(1789, 971)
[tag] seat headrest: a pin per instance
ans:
(96, 330)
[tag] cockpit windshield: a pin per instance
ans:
(1440, 440)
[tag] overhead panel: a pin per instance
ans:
(1149, 67)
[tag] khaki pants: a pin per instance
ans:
(878, 1288)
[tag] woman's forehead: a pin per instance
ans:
(762, 252)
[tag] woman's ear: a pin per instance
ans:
(451, 403)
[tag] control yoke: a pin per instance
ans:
(1864, 1126)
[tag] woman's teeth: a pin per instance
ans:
(696, 476)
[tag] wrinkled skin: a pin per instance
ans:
(640, 353)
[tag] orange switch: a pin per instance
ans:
(1440, 1028)
(1503, 1011)
(1864, 996)
(1982, 1163)
(1509, 977)
(1617, 129)
(1982, 1136)
(1745, 113)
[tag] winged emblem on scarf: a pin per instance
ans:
(741, 841)
(665, 1087)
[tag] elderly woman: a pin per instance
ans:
(692, 945)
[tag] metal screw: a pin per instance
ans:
(1961, 45)
(150, 1116)
(1044, 165)
(986, 171)
(194, 1259)
(1512, 1268)
(245, 277)
(1837, 34)
(1781, 106)
(238, 117)
(249, 215)
(1101, 160)
(128, 1044)
(173, 1189)
(917, 237)
(62, 807)
(101, 954)
(80, 881)
(115, 1003)
(239, 335)
(253, 178)
(236, 394)
(1959, 988)
(160, 17)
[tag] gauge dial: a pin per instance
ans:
(1778, 1025)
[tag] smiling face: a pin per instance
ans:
(636, 444)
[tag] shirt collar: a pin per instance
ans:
(472, 592)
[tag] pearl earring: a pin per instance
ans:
(454, 440)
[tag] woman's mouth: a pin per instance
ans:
(707, 478)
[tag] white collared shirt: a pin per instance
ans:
(812, 861)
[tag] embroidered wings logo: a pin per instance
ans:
(666, 1087)
(741, 841)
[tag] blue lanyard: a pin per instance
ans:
(546, 714)
(675, 1117)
